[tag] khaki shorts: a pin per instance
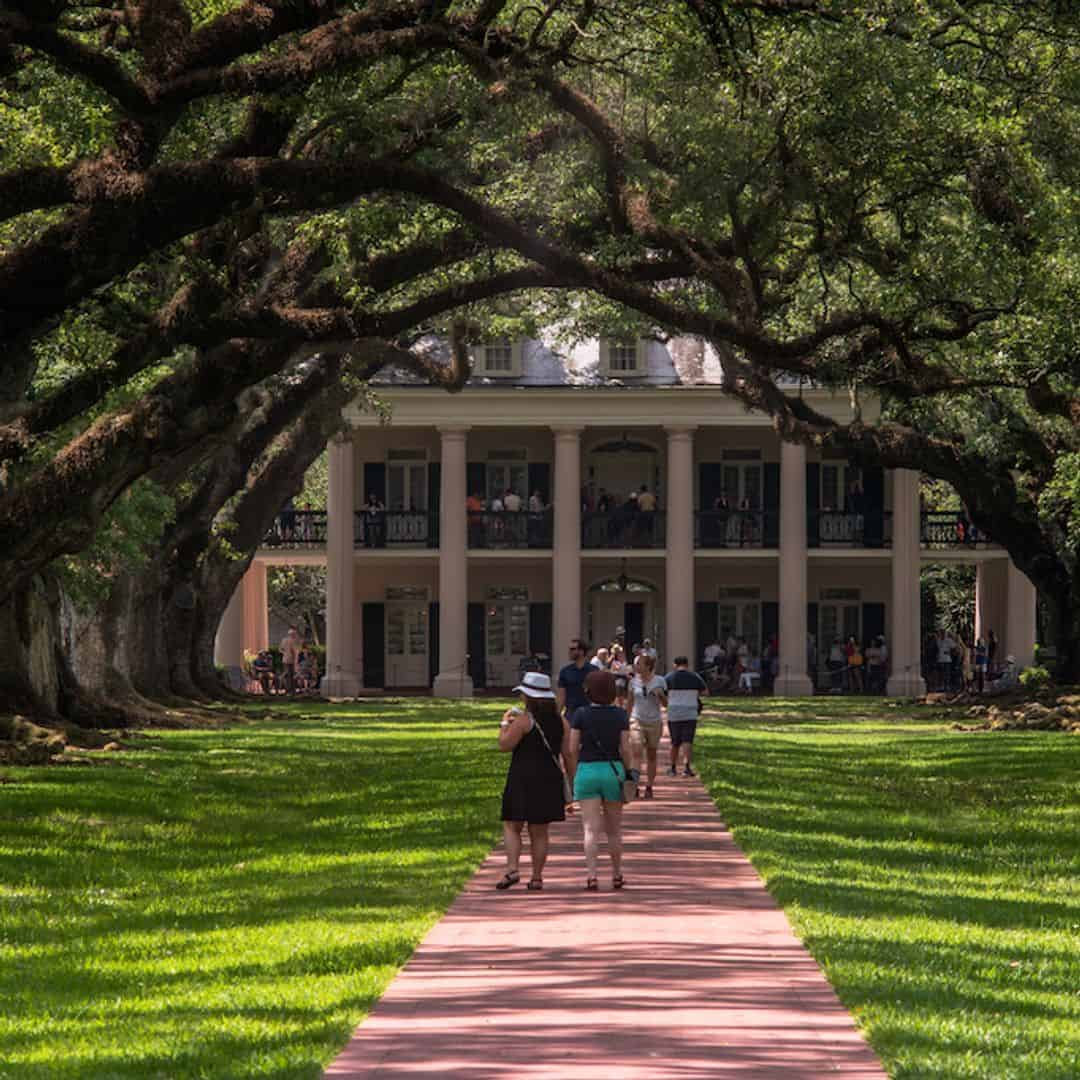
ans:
(646, 734)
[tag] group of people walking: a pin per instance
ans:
(585, 743)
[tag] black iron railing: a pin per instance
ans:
(845, 528)
(396, 528)
(297, 529)
(624, 529)
(509, 529)
(950, 529)
(736, 529)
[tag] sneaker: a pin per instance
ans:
(689, 772)
(673, 771)
(648, 792)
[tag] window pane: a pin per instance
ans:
(751, 626)
(519, 629)
(496, 630)
(752, 485)
(851, 623)
(830, 487)
(727, 621)
(623, 356)
(418, 487)
(395, 631)
(499, 355)
(395, 487)
(417, 622)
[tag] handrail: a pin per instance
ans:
(623, 529)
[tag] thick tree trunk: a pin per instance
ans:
(1063, 626)
(31, 680)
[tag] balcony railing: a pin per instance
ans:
(509, 529)
(842, 528)
(624, 529)
(736, 529)
(396, 528)
(297, 529)
(950, 529)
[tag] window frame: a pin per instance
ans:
(607, 345)
(479, 355)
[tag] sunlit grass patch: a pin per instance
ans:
(934, 874)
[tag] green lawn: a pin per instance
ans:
(934, 874)
(230, 903)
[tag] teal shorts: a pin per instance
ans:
(596, 780)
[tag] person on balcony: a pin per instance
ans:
(474, 510)
(287, 517)
(374, 521)
(511, 501)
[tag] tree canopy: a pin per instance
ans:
(876, 196)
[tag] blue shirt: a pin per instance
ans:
(572, 680)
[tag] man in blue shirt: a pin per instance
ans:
(685, 688)
(571, 691)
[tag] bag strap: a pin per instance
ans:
(540, 730)
(610, 760)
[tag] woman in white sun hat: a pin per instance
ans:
(535, 733)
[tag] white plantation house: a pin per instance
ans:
(732, 532)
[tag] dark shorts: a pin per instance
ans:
(682, 731)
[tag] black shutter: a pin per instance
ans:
(373, 629)
(477, 646)
(772, 504)
(873, 621)
(433, 642)
(374, 481)
(813, 490)
(540, 630)
(770, 621)
(812, 628)
(476, 479)
(873, 480)
(434, 501)
(540, 480)
(710, 483)
(706, 613)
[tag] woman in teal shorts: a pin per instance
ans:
(600, 744)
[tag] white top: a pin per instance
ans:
(646, 707)
(512, 501)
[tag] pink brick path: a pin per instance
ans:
(691, 971)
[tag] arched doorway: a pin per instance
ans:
(619, 466)
(626, 601)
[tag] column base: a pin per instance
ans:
(793, 686)
(905, 686)
(341, 684)
(452, 684)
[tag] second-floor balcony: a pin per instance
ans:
(623, 528)
(713, 529)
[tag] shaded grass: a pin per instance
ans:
(934, 875)
(229, 903)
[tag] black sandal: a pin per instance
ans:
(536, 884)
(618, 881)
(591, 884)
(511, 877)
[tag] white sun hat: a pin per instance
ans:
(535, 684)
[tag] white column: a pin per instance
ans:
(904, 642)
(792, 679)
(679, 580)
(453, 680)
(342, 678)
(256, 608)
(229, 640)
(1020, 627)
(990, 589)
(566, 552)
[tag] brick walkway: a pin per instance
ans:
(691, 971)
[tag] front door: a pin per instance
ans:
(506, 632)
(407, 642)
(406, 502)
(839, 616)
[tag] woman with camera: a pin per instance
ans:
(535, 735)
(600, 744)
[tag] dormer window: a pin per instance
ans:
(623, 358)
(498, 357)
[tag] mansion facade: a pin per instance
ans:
(615, 487)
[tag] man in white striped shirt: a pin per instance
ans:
(685, 688)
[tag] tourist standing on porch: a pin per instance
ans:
(291, 644)
(535, 734)
(648, 693)
(684, 690)
(600, 748)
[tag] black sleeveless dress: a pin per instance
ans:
(534, 787)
